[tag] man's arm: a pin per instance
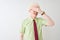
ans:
(21, 36)
(50, 22)
(22, 30)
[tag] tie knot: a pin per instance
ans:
(33, 20)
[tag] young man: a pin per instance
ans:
(32, 26)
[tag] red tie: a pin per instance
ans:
(35, 30)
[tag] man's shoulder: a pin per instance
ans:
(25, 20)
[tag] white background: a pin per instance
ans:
(13, 12)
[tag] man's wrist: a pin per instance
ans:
(43, 13)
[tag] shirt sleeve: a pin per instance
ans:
(43, 21)
(22, 28)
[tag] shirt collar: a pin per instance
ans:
(30, 18)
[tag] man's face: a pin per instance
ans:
(34, 11)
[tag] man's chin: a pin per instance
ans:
(35, 16)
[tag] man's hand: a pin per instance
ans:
(40, 11)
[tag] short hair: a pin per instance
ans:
(33, 5)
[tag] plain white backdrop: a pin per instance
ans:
(13, 12)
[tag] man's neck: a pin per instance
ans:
(32, 17)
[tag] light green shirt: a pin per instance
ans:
(28, 29)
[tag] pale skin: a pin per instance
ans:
(33, 11)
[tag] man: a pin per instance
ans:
(32, 26)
